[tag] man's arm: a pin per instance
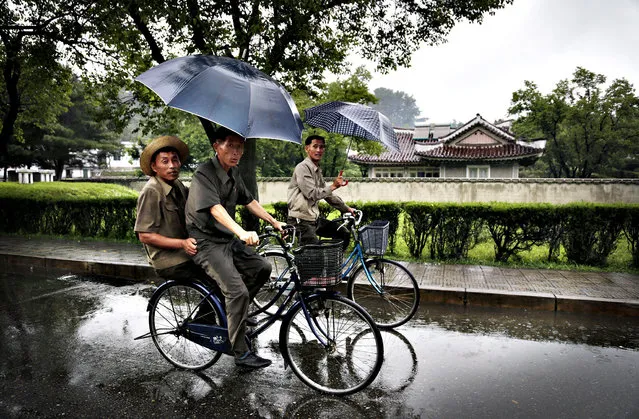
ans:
(258, 210)
(154, 239)
(219, 213)
(306, 183)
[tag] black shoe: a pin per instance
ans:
(251, 322)
(251, 360)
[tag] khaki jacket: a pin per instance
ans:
(306, 188)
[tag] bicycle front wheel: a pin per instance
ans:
(172, 307)
(323, 350)
(397, 299)
(266, 300)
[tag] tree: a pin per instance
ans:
(36, 36)
(398, 106)
(77, 137)
(590, 132)
(293, 41)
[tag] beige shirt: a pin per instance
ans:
(306, 189)
(160, 210)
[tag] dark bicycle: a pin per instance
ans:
(318, 336)
(385, 288)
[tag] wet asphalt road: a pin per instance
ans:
(68, 350)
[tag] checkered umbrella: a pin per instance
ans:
(353, 119)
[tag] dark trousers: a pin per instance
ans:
(189, 271)
(240, 273)
(308, 231)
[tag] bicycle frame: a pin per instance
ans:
(216, 336)
(357, 255)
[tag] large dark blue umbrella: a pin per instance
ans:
(355, 120)
(228, 92)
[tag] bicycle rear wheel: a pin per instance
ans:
(268, 293)
(399, 297)
(171, 308)
(327, 356)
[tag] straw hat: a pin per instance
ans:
(157, 144)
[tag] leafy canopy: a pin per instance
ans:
(590, 131)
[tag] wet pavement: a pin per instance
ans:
(469, 285)
(68, 350)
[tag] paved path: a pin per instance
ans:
(615, 293)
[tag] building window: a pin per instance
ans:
(389, 172)
(117, 156)
(478, 172)
(423, 172)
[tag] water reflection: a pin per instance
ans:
(448, 362)
(594, 329)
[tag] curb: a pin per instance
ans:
(468, 297)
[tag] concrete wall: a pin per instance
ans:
(554, 191)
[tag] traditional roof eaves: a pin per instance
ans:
(478, 120)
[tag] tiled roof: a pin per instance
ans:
(405, 156)
(457, 145)
(493, 152)
(477, 121)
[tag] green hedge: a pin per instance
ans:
(83, 209)
(587, 233)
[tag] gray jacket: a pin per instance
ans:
(306, 189)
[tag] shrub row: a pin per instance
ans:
(89, 210)
(588, 233)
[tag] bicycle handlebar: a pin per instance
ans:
(289, 231)
(348, 218)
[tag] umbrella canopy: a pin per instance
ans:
(228, 92)
(355, 120)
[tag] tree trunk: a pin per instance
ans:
(11, 74)
(249, 176)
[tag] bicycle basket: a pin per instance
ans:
(320, 265)
(374, 238)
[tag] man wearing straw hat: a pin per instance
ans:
(160, 223)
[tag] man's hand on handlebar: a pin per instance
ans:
(250, 238)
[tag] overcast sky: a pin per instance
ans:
(544, 41)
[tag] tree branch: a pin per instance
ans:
(134, 12)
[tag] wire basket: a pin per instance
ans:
(320, 265)
(374, 238)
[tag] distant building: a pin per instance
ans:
(477, 149)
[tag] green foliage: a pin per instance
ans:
(589, 131)
(77, 209)
(631, 232)
(457, 230)
(516, 227)
(419, 221)
(591, 232)
(38, 40)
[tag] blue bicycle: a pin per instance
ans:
(385, 288)
(319, 334)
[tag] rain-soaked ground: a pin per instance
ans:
(67, 349)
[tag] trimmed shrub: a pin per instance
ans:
(516, 227)
(591, 232)
(456, 231)
(78, 209)
(419, 222)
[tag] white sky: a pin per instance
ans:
(543, 41)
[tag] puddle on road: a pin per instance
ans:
(449, 361)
